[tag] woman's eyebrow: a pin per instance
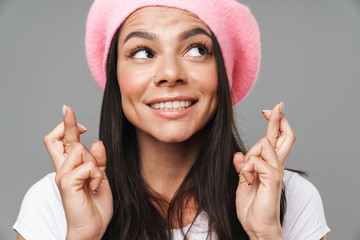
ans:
(140, 34)
(152, 37)
(192, 32)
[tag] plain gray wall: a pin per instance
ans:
(310, 60)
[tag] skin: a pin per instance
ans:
(168, 145)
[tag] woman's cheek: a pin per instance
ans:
(207, 83)
(132, 83)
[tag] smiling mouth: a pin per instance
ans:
(172, 105)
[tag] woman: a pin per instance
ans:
(170, 163)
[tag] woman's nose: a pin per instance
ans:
(170, 72)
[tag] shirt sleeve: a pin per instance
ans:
(41, 214)
(304, 218)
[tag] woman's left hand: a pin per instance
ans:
(261, 172)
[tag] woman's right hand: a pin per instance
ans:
(81, 179)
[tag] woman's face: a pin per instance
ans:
(167, 73)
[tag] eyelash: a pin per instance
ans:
(202, 44)
(134, 50)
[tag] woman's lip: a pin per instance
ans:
(173, 114)
(171, 99)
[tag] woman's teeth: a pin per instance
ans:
(174, 105)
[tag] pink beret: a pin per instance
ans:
(232, 23)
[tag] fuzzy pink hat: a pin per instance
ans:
(232, 23)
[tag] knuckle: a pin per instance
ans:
(294, 136)
(78, 146)
(265, 140)
(99, 174)
(252, 158)
(91, 165)
(46, 139)
(245, 168)
(64, 182)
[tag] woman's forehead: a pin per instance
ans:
(153, 17)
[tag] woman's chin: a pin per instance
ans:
(175, 133)
(173, 138)
(185, 136)
(168, 136)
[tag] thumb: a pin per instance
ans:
(238, 161)
(97, 149)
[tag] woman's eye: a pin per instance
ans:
(143, 54)
(196, 51)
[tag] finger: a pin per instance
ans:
(238, 161)
(58, 132)
(71, 130)
(97, 149)
(79, 155)
(264, 149)
(54, 144)
(268, 175)
(76, 179)
(266, 114)
(273, 127)
(286, 140)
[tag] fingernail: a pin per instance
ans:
(82, 126)
(282, 107)
(247, 182)
(64, 110)
(266, 111)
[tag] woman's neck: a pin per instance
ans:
(164, 166)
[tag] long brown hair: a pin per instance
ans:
(211, 182)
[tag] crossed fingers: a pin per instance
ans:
(62, 138)
(279, 132)
(72, 160)
(267, 157)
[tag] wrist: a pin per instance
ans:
(70, 236)
(276, 235)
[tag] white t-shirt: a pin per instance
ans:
(42, 215)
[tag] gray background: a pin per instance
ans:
(311, 59)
